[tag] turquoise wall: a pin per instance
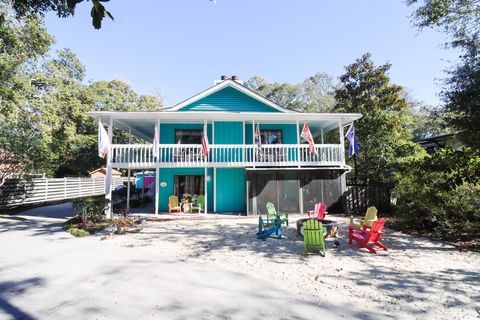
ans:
(167, 174)
(228, 99)
(228, 133)
(230, 189)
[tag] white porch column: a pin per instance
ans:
(129, 171)
(157, 189)
(342, 143)
(206, 170)
(254, 152)
(321, 135)
(108, 181)
(298, 143)
(206, 190)
(214, 174)
(214, 190)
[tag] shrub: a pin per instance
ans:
(440, 194)
(95, 208)
(78, 232)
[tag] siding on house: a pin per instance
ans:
(230, 189)
(228, 99)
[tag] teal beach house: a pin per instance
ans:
(255, 153)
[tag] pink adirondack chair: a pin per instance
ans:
(318, 212)
(366, 236)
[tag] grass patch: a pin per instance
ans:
(75, 227)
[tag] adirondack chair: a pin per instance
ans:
(265, 231)
(319, 212)
(200, 204)
(368, 220)
(366, 236)
(273, 215)
(313, 236)
(173, 204)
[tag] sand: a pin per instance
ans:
(416, 279)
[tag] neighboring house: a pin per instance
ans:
(433, 143)
(102, 173)
(239, 174)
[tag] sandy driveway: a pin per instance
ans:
(217, 269)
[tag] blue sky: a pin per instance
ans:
(178, 47)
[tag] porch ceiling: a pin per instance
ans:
(142, 123)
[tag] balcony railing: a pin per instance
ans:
(222, 155)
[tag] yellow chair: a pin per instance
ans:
(368, 220)
(173, 204)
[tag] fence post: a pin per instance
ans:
(46, 189)
(64, 188)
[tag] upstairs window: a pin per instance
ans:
(188, 136)
(271, 136)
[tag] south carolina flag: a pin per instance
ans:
(307, 135)
(103, 141)
(352, 138)
(205, 145)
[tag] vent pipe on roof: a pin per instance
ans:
(223, 78)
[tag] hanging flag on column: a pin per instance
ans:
(155, 141)
(103, 141)
(258, 136)
(307, 135)
(352, 138)
(205, 145)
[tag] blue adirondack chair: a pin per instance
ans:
(265, 231)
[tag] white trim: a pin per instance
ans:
(214, 190)
(265, 117)
(222, 85)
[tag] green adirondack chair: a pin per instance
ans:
(272, 214)
(200, 206)
(313, 236)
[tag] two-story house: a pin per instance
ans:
(255, 154)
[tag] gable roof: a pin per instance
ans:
(229, 84)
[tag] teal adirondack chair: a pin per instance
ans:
(313, 236)
(273, 215)
(265, 231)
(200, 206)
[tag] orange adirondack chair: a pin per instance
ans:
(366, 236)
(319, 212)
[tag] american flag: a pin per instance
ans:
(205, 144)
(307, 135)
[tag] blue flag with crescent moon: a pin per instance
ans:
(352, 138)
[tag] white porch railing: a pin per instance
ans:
(222, 155)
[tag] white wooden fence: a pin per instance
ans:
(42, 190)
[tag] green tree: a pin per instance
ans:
(458, 18)
(63, 8)
(384, 132)
(314, 94)
(461, 20)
